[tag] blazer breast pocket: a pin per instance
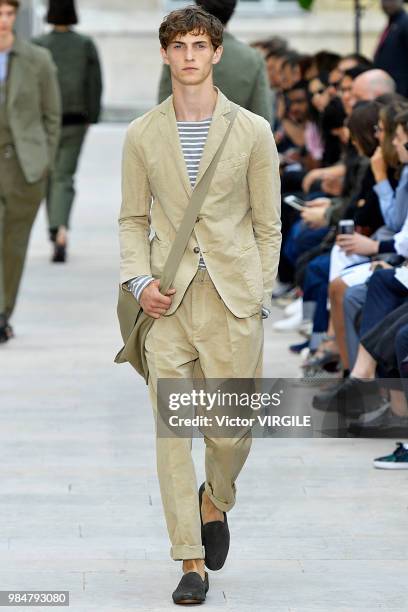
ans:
(231, 172)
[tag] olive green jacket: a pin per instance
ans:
(240, 75)
(79, 72)
(33, 108)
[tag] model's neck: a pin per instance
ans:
(62, 28)
(194, 103)
(6, 41)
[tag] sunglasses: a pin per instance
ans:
(318, 92)
(335, 84)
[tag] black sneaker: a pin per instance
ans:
(386, 425)
(352, 397)
(397, 461)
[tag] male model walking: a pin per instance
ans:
(213, 314)
(30, 117)
(80, 81)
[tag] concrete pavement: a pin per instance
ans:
(315, 527)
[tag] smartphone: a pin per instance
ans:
(295, 202)
(346, 226)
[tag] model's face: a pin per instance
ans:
(391, 7)
(191, 58)
(399, 141)
(319, 95)
(7, 19)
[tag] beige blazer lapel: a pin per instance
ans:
(169, 131)
(218, 127)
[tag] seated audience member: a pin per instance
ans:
(385, 312)
(393, 202)
(356, 85)
(364, 210)
(357, 248)
(345, 297)
(327, 115)
(291, 71)
(370, 85)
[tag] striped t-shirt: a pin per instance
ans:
(193, 136)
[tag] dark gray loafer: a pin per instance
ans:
(215, 536)
(192, 589)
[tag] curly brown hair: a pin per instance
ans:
(14, 3)
(190, 19)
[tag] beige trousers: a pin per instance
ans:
(202, 332)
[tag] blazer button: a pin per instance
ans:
(196, 250)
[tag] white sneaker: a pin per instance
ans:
(294, 308)
(289, 324)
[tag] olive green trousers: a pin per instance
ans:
(61, 184)
(19, 204)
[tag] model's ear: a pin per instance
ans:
(218, 54)
(163, 53)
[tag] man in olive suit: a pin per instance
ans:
(30, 117)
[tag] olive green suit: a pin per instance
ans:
(80, 81)
(240, 75)
(30, 116)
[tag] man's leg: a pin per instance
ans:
(2, 228)
(385, 293)
(171, 354)
(22, 203)
(61, 188)
(354, 300)
(228, 347)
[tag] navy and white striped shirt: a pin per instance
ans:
(193, 136)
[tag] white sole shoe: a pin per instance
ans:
(290, 324)
(295, 307)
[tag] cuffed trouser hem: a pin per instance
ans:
(184, 552)
(221, 505)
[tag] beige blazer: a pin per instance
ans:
(238, 229)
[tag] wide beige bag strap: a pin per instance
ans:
(190, 217)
